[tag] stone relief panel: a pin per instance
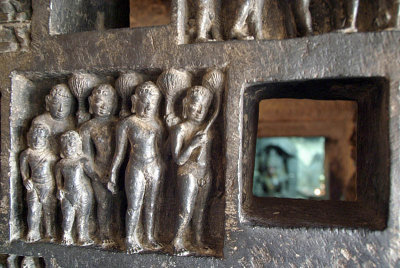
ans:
(217, 20)
(15, 24)
(121, 161)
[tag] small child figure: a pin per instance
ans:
(74, 188)
(36, 164)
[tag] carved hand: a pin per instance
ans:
(112, 187)
(60, 194)
(198, 140)
(28, 184)
(172, 120)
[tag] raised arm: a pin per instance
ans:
(121, 140)
(180, 153)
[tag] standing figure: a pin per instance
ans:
(98, 144)
(250, 14)
(36, 164)
(191, 151)
(74, 190)
(303, 17)
(58, 117)
(351, 7)
(143, 176)
(208, 20)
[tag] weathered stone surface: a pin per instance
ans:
(26, 77)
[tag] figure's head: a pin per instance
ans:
(103, 101)
(196, 103)
(71, 144)
(146, 99)
(38, 136)
(59, 101)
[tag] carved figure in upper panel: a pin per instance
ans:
(58, 116)
(208, 21)
(248, 20)
(143, 177)
(98, 145)
(351, 11)
(303, 17)
(36, 164)
(74, 188)
(191, 141)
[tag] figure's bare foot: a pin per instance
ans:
(132, 248)
(67, 240)
(348, 30)
(183, 248)
(108, 243)
(393, 29)
(86, 241)
(32, 237)
(240, 35)
(154, 245)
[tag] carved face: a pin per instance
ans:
(101, 104)
(146, 99)
(38, 137)
(58, 106)
(197, 109)
(71, 144)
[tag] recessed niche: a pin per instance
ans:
(78, 16)
(320, 151)
(149, 13)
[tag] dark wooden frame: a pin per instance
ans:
(373, 154)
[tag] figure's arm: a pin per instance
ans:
(88, 169)
(87, 146)
(181, 155)
(59, 182)
(121, 140)
(24, 167)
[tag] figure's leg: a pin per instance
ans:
(203, 20)
(200, 210)
(134, 188)
(240, 20)
(337, 7)
(256, 19)
(150, 212)
(49, 210)
(216, 20)
(83, 213)
(351, 16)
(303, 15)
(68, 212)
(34, 216)
(188, 194)
(104, 211)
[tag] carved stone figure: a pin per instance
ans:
(208, 21)
(30, 262)
(36, 164)
(98, 144)
(58, 116)
(303, 17)
(74, 189)
(389, 18)
(191, 148)
(249, 14)
(143, 177)
(351, 7)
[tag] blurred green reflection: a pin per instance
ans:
(290, 167)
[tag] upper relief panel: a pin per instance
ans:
(217, 20)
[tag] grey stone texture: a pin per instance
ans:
(27, 76)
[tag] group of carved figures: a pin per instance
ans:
(248, 21)
(77, 161)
